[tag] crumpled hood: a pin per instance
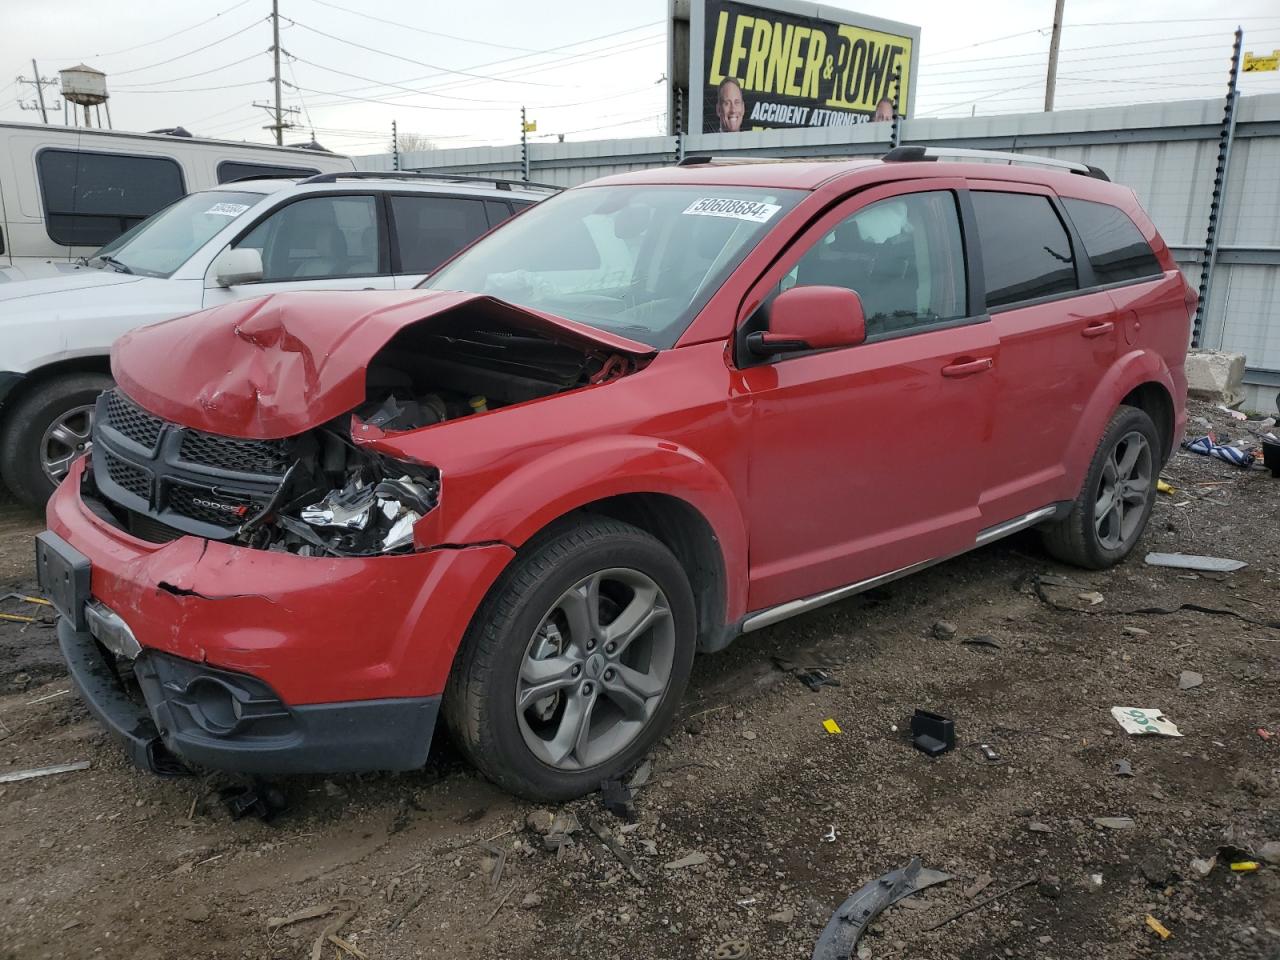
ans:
(279, 365)
(58, 288)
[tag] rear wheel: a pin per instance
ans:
(46, 430)
(576, 663)
(1109, 516)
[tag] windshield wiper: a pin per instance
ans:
(107, 258)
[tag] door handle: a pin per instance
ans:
(1098, 329)
(967, 368)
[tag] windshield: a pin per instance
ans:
(165, 241)
(639, 261)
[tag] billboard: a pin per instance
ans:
(781, 64)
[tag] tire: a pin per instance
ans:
(522, 643)
(1085, 539)
(28, 425)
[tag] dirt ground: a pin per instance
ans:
(786, 819)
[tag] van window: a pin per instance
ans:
(92, 198)
(430, 230)
(903, 256)
(229, 170)
(1026, 251)
(1115, 246)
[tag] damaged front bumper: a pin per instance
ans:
(197, 714)
(264, 661)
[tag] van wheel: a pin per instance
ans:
(46, 430)
(1110, 514)
(576, 662)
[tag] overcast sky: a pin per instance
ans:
(587, 70)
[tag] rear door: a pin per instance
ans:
(1056, 343)
(870, 458)
(316, 242)
(428, 229)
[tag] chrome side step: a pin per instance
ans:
(792, 608)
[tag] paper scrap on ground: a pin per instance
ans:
(1142, 720)
(830, 726)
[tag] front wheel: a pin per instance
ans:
(1109, 516)
(575, 664)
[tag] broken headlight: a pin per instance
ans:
(366, 516)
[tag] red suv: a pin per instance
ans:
(643, 417)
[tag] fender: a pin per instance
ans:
(593, 469)
(1129, 371)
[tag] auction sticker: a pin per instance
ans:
(749, 210)
(227, 209)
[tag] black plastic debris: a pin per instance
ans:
(258, 798)
(815, 678)
(840, 936)
(618, 800)
(932, 733)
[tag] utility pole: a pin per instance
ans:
(1051, 80)
(35, 72)
(275, 50)
(38, 103)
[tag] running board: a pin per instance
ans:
(793, 608)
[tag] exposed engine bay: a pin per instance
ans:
(322, 493)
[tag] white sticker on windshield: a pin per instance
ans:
(227, 209)
(749, 210)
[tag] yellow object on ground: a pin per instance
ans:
(1245, 866)
(1165, 487)
(830, 726)
(1158, 927)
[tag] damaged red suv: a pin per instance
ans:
(645, 416)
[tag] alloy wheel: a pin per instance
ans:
(595, 671)
(64, 440)
(1123, 489)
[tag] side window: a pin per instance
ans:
(904, 258)
(1026, 252)
(1115, 246)
(318, 237)
(498, 210)
(229, 170)
(429, 230)
(92, 198)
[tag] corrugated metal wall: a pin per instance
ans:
(1167, 152)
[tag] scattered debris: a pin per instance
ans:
(1163, 487)
(1208, 447)
(748, 735)
(618, 800)
(344, 909)
(830, 835)
(732, 950)
(782, 916)
(496, 861)
(1091, 597)
(1189, 680)
(501, 903)
(978, 886)
(613, 846)
(1158, 927)
(932, 733)
(944, 630)
(298, 916)
(692, 860)
(531, 901)
(258, 798)
(1233, 414)
(1114, 823)
(1204, 867)
(840, 936)
(641, 776)
(346, 947)
(831, 726)
(1122, 768)
(1187, 561)
(816, 678)
(1270, 852)
(989, 752)
(978, 905)
(1037, 827)
(44, 771)
(983, 640)
(1136, 632)
(1244, 866)
(1145, 720)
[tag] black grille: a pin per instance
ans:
(126, 475)
(151, 530)
(127, 418)
(196, 504)
(268, 457)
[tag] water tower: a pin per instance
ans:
(87, 87)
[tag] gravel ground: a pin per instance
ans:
(776, 820)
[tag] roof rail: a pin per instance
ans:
(497, 184)
(909, 154)
(693, 161)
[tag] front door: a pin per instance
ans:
(870, 458)
(320, 242)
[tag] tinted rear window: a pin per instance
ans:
(1115, 246)
(1026, 252)
(430, 230)
(92, 198)
(229, 170)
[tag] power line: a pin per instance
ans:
(429, 33)
(224, 86)
(189, 76)
(981, 43)
(189, 53)
(1099, 46)
(168, 36)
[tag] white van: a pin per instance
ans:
(66, 191)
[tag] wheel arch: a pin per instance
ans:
(1155, 400)
(92, 363)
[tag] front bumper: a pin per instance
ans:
(193, 713)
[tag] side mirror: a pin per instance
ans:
(239, 265)
(811, 318)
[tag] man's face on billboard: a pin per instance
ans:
(884, 111)
(730, 108)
